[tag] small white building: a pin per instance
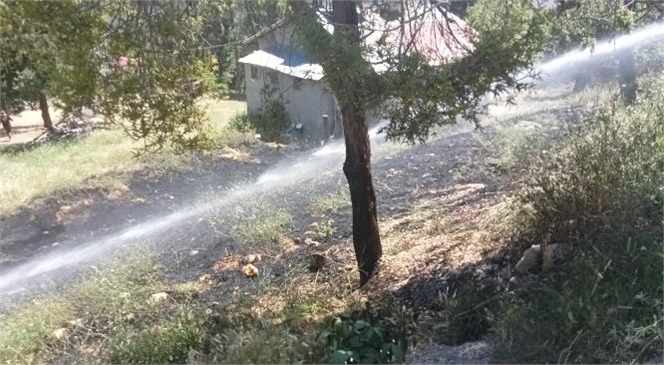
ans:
(280, 68)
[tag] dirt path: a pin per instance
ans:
(26, 126)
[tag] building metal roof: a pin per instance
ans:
(288, 60)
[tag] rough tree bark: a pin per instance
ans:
(46, 115)
(357, 166)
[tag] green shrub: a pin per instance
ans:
(243, 123)
(601, 192)
(270, 122)
(607, 177)
(367, 336)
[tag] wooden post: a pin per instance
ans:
(326, 129)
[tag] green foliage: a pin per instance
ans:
(67, 49)
(259, 342)
(583, 23)
(48, 47)
(243, 123)
(269, 123)
(227, 23)
(416, 95)
(587, 21)
(601, 193)
(368, 336)
(511, 37)
(326, 229)
(607, 177)
(122, 287)
(273, 120)
(605, 308)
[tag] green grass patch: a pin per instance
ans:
(430, 215)
(170, 340)
(330, 203)
(221, 113)
(255, 224)
(99, 302)
(104, 159)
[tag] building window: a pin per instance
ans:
(254, 73)
(297, 83)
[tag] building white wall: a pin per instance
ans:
(306, 105)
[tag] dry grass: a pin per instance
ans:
(103, 159)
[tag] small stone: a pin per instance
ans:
(60, 333)
(349, 267)
(130, 318)
(193, 252)
(55, 244)
(311, 243)
(530, 259)
(250, 259)
(78, 322)
(297, 240)
(310, 234)
(205, 278)
(316, 262)
(250, 271)
(158, 297)
(313, 227)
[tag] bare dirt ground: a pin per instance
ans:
(26, 127)
(432, 199)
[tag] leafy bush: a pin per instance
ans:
(607, 177)
(243, 123)
(366, 337)
(270, 123)
(601, 192)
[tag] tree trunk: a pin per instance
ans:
(357, 167)
(46, 115)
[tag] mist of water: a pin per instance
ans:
(640, 37)
(281, 175)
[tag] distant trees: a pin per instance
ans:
(582, 23)
(41, 56)
(65, 51)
